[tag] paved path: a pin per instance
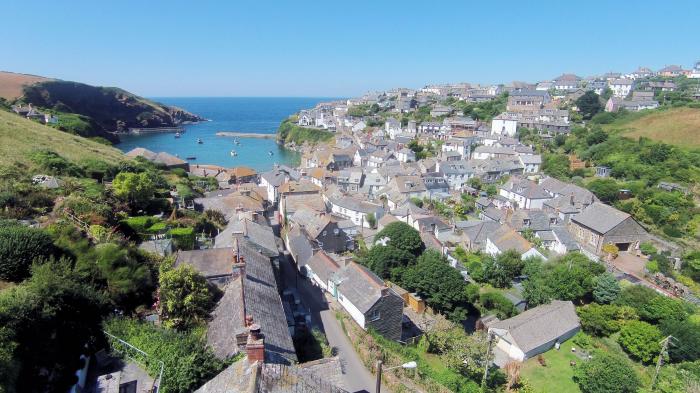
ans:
(357, 378)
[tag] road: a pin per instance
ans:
(357, 378)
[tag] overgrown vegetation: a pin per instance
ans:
(290, 132)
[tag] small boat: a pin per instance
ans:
(191, 158)
(237, 142)
(199, 140)
(233, 153)
(177, 135)
(271, 153)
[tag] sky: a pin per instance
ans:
(337, 48)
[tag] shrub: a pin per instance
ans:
(183, 238)
(189, 363)
(606, 289)
(140, 224)
(19, 247)
(640, 340)
(604, 320)
(606, 373)
(647, 248)
(494, 301)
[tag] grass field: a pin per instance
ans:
(557, 376)
(676, 126)
(20, 137)
(11, 83)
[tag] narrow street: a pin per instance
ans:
(357, 378)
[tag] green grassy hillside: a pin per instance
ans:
(20, 137)
(289, 132)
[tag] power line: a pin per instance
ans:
(664, 352)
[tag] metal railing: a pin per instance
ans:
(128, 351)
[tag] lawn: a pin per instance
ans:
(557, 376)
(676, 126)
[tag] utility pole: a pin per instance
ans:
(664, 351)
(487, 362)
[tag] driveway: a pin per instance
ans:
(357, 378)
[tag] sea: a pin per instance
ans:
(260, 115)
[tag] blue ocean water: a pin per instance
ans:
(237, 114)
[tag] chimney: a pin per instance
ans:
(255, 347)
(572, 199)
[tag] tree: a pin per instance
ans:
(686, 343)
(185, 297)
(571, 277)
(605, 189)
(45, 324)
(402, 236)
(442, 286)
(662, 308)
(388, 261)
(606, 319)
(606, 289)
(556, 165)
(136, 188)
(495, 301)
(640, 340)
(589, 104)
(127, 281)
(19, 247)
(371, 220)
(606, 373)
(502, 269)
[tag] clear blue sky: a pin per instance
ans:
(337, 48)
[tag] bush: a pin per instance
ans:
(640, 340)
(54, 164)
(604, 320)
(141, 225)
(606, 373)
(606, 289)
(494, 301)
(183, 238)
(582, 340)
(647, 248)
(189, 363)
(19, 247)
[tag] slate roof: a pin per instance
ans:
(323, 375)
(227, 205)
(278, 175)
(359, 285)
(506, 238)
(538, 220)
(212, 262)
(539, 325)
(565, 238)
(355, 204)
(310, 201)
(600, 217)
(557, 187)
(312, 222)
(262, 302)
(323, 265)
(299, 246)
(526, 188)
(259, 236)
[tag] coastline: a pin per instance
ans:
(232, 134)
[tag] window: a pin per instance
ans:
(375, 315)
